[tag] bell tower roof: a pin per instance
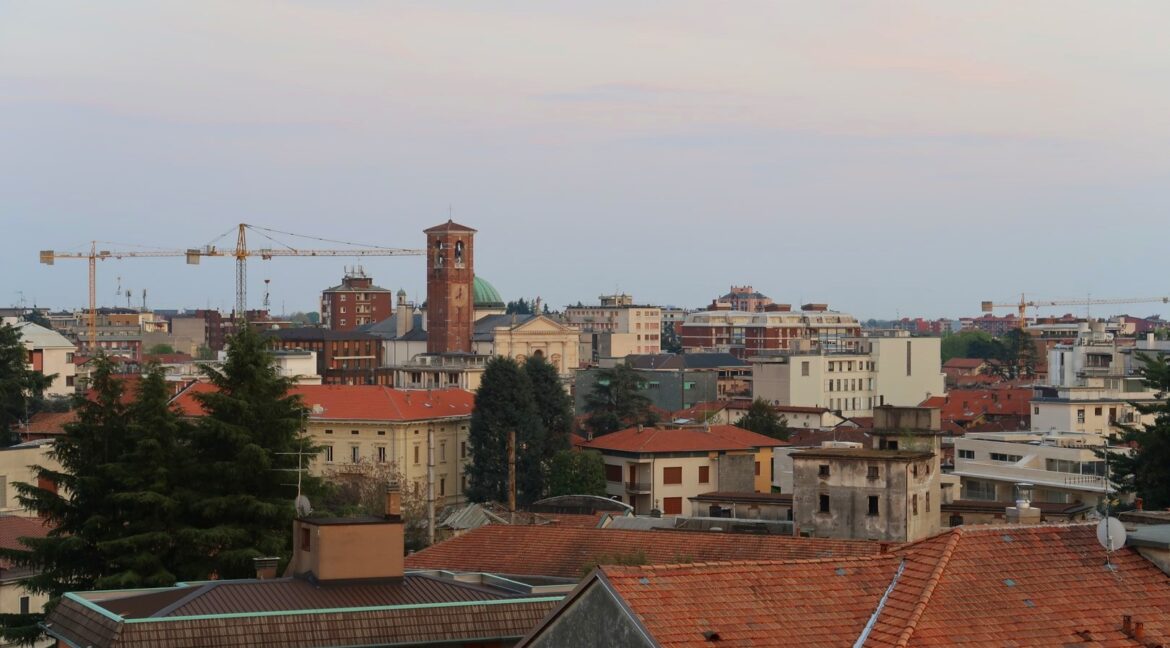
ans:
(449, 226)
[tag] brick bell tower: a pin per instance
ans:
(450, 288)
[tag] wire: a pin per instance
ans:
(233, 229)
(318, 238)
(274, 240)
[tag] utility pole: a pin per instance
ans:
(512, 476)
(430, 485)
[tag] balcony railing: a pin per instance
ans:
(637, 487)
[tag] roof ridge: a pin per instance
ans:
(928, 591)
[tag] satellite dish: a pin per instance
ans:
(1111, 534)
(303, 506)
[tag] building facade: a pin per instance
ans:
(50, 353)
(616, 328)
(450, 288)
(355, 302)
(776, 329)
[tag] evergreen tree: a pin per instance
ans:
(76, 500)
(552, 404)
(762, 419)
(1147, 470)
(577, 473)
(243, 458)
(504, 402)
(20, 387)
(616, 401)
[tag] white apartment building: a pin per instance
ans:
(50, 353)
(1061, 468)
(896, 370)
(616, 328)
(1093, 384)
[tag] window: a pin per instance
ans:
(1007, 458)
(381, 454)
(305, 538)
(1081, 415)
(613, 473)
(68, 381)
(914, 470)
(705, 474)
(804, 368)
(416, 454)
(823, 471)
(328, 454)
(824, 503)
(928, 502)
(1036, 411)
(381, 432)
(966, 454)
(328, 431)
(871, 472)
(1096, 411)
(672, 475)
(355, 454)
(353, 432)
(672, 506)
(873, 505)
(975, 489)
(463, 451)
(914, 505)
(442, 452)
(442, 486)
(757, 469)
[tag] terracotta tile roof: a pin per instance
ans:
(359, 402)
(684, 439)
(1044, 585)
(568, 552)
(968, 405)
(964, 363)
(813, 437)
(700, 412)
(805, 603)
(13, 528)
(49, 423)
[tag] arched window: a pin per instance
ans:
(458, 254)
(538, 354)
(438, 254)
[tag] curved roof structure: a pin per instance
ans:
(486, 295)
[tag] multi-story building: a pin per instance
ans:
(375, 430)
(778, 328)
(900, 371)
(343, 357)
(50, 353)
(616, 328)
(355, 302)
(661, 468)
(742, 298)
(1063, 468)
(992, 324)
(677, 382)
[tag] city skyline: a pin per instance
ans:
(897, 161)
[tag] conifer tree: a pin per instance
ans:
(1147, 471)
(763, 419)
(504, 403)
(243, 459)
(616, 401)
(20, 387)
(552, 404)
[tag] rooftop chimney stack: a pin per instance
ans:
(393, 502)
(265, 567)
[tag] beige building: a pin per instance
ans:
(377, 431)
(616, 328)
(50, 353)
(662, 468)
(901, 371)
(16, 467)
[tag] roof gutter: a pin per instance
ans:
(880, 606)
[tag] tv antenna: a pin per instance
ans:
(1110, 531)
(301, 502)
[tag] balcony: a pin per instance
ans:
(637, 487)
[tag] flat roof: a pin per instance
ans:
(862, 453)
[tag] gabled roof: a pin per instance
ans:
(13, 528)
(964, 363)
(1046, 585)
(569, 552)
(358, 402)
(35, 336)
(703, 438)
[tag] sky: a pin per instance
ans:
(890, 159)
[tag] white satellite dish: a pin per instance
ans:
(1111, 534)
(303, 506)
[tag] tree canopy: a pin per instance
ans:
(504, 403)
(762, 418)
(577, 472)
(1147, 471)
(616, 401)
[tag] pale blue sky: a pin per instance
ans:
(911, 157)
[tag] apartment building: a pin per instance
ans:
(662, 467)
(50, 353)
(896, 370)
(616, 328)
(1061, 468)
(355, 302)
(776, 329)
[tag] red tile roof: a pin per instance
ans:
(13, 528)
(964, 363)
(967, 405)
(701, 438)
(700, 412)
(568, 552)
(971, 586)
(49, 423)
(359, 402)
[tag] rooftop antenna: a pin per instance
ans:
(301, 503)
(1110, 531)
(144, 299)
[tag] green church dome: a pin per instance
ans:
(486, 295)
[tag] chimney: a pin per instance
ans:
(265, 568)
(1139, 630)
(1127, 625)
(393, 502)
(1138, 503)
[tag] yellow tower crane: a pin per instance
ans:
(1023, 305)
(193, 255)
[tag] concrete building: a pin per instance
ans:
(343, 357)
(616, 328)
(900, 371)
(889, 492)
(50, 353)
(662, 467)
(1061, 468)
(355, 302)
(742, 298)
(776, 329)
(667, 390)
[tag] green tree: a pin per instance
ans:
(243, 457)
(204, 353)
(37, 317)
(519, 307)
(573, 472)
(1017, 351)
(504, 403)
(20, 387)
(671, 342)
(966, 344)
(1147, 471)
(616, 401)
(552, 404)
(79, 506)
(160, 349)
(763, 419)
